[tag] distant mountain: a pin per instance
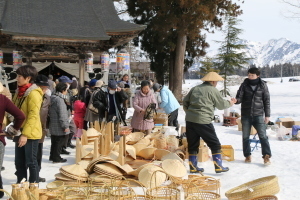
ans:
(273, 52)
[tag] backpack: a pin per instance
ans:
(150, 110)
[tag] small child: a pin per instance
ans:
(79, 113)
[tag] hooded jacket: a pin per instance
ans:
(30, 104)
(168, 101)
(254, 102)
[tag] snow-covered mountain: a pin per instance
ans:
(273, 52)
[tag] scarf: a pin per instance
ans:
(22, 89)
(254, 82)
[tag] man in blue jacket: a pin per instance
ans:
(169, 103)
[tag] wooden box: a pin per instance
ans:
(253, 130)
(227, 152)
(203, 154)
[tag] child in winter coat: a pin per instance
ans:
(79, 113)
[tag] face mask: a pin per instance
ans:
(48, 92)
(68, 86)
(112, 91)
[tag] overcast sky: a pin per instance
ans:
(264, 20)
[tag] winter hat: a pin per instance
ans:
(212, 76)
(41, 80)
(99, 84)
(156, 87)
(112, 84)
(93, 82)
(121, 85)
(1, 87)
(64, 79)
(50, 76)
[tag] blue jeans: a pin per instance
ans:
(26, 158)
(260, 125)
(295, 129)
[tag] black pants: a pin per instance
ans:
(207, 132)
(57, 143)
(26, 158)
(40, 155)
(172, 120)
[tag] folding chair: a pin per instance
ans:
(255, 141)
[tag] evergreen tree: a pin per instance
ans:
(175, 27)
(230, 56)
(207, 66)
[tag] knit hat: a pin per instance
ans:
(64, 79)
(92, 82)
(112, 84)
(212, 76)
(156, 87)
(41, 80)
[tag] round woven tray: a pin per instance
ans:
(256, 188)
(268, 197)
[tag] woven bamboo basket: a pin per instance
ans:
(204, 195)
(135, 197)
(55, 185)
(121, 192)
(207, 183)
(268, 197)
(163, 193)
(259, 187)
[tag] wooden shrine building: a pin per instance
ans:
(61, 30)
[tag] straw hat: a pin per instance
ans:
(139, 146)
(137, 171)
(147, 153)
(108, 168)
(76, 170)
(159, 153)
(174, 168)
(95, 161)
(134, 137)
(60, 176)
(173, 156)
(212, 76)
(149, 179)
(86, 149)
(55, 185)
(131, 151)
(91, 132)
(83, 164)
(1, 87)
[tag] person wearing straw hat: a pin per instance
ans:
(199, 105)
(254, 97)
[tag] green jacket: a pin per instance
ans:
(200, 103)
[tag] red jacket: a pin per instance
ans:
(79, 109)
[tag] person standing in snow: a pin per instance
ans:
(169, 103)
(28, 98)
(199, 106)
(254, 96)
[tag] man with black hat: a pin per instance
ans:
(43, 83)
(109, 101)
(199, 106)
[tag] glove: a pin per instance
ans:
(11, 131)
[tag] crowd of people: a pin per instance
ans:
(64, 108)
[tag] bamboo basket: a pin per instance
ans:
(203, 195)
(121, 192)
(268, 197)
(259, 187)
(135, 197)
(164, 193)
(207, 183)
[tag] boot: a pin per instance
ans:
(193, 164)
(218, 163)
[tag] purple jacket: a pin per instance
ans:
(140, 102)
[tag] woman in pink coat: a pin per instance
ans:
(141, 100)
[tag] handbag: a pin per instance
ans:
(91, 106)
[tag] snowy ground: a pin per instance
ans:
(284, 102)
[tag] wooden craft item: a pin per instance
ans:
(122, 150)
(102, 126)
(112, 133)
(102, 145)
(107, 138)
(78, 150)
(84, 139)
(97, 126)
(86, 149)
(96, 149)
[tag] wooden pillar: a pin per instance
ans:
(81, 72)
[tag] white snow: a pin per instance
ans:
(285, 159)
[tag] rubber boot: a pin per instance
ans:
(193, 164)
(218, 163)
(1, 187)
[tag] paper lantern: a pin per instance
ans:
(89, 63)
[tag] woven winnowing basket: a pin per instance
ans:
(268, 197)
(162, 193)
(259, 187)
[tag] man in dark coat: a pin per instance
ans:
(109, 101)
(254, 96)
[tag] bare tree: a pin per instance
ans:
(293, 9)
